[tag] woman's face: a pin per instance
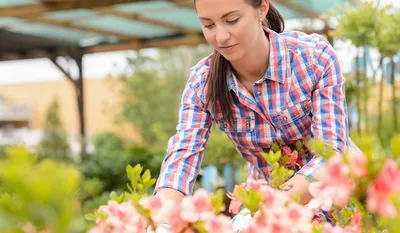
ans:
(232, 27)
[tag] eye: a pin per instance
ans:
(232, 21)
(208, 26)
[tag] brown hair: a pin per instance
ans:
(217, 77)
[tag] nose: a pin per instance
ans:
(222, 35)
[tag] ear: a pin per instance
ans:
(264, 8)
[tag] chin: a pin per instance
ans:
(233, 56)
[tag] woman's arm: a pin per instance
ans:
(329, 121)
(186, 148)
(170, 194)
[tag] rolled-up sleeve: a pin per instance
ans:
(329, 110)
(186, 148)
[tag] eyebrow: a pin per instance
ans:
(230, 12)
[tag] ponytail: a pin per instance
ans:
(274, 19)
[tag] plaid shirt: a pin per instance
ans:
(300, 97)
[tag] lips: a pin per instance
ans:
(227, 48)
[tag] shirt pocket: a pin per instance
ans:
(294, 122)
(240, 125)
(241, 132)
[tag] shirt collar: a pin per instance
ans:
(279, 66)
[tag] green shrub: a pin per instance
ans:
(38, 194)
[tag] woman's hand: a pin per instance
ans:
(298, 184)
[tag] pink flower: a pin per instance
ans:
(121, 217)
(278, 227)
(273, 197)
(385, 184)
(235, 203)
(193, 207)
(355, 224)
(255, 184)
(234, 206)
(298, 217)
(218, 224)
(159, 208)
(201, 201)
(333, 229)
(354, 228)
(175, 221)
(291, 155)
(322, 199)
(336, 170)
(336, 185)
(252, 229)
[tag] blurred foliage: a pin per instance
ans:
(54, 143)
(220, 151)
(358, 24)
(105, 167)
(2, 151)
(350, 88)
(38, 195)
(370, 26)
(387, 129)
(387, 40)
(107, 163)
(152, 92)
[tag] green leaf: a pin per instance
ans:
(299, 145)
(146, 176)
(277, 155)
(217, 201)
(395, 146)
(199, 226)
(275, 147)
(253, 201)
(91, 217)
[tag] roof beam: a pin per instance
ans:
(132, 45)
(67, 24)
(159, 43)
(12, 56)
(183, 3)
(144, 19)
(34, 10)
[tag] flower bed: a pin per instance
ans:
(361, 191)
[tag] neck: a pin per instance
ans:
(254, 64)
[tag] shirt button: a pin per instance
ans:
(306, 107)
(225, 125)
(284, 118)
(259, 92)
(247, 124)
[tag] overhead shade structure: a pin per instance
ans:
(73, 28)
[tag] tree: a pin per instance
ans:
(151, 93)
(54, 143)
(359, 25)
(388, 46)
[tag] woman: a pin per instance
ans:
(260, 86)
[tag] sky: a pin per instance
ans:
(101, 65)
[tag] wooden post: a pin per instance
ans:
(79, 90)
(80, 101)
